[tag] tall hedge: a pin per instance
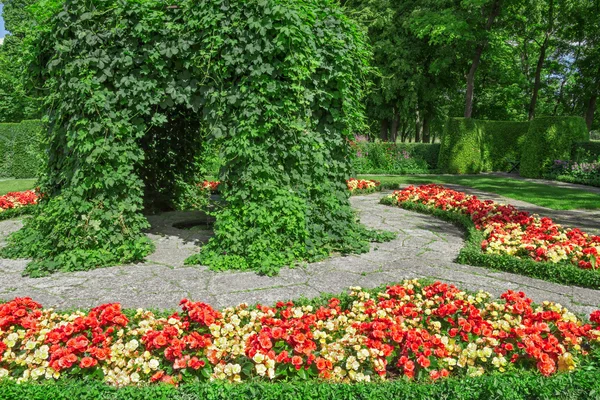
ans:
(549, 139)
(502, 144)
(20, 150)
(472, 146)
(461, 147)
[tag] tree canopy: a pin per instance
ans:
(522, 57)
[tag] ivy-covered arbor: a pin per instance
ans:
(137, 87)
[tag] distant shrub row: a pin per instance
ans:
(473, 146)
(395, 158)
(20, 150)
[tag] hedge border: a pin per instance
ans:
(17, 212)
(549, 139)
(471, 253)
(473, 146)
(509, 386)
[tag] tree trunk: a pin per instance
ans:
(476, 60)
(560, 95)
(538, 75)
(541, 59)
(418, 127)
(383, 134)
(395, 124)
(591, 108)
(426, 125)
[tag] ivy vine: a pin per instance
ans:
(135, 89)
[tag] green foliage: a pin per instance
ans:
(17, 212)
(471, 254)
(549, 139)
(20, 148)
(502, 144)
(275, 86)
(472, 146)
(395, 158)
(590, 149)
(510, 386)
(461, 147)
(16, 103)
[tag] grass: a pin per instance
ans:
(16, 185)
(556, 198)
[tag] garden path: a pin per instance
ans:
(425, 247)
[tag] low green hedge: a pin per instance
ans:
(582, 384)
(386, 157)
(591, 147)
(16, 212)
(549, 139)
(20, 149)
(471, 253)
(472, 146)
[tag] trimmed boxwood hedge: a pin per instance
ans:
(549, 139)
(471, 254)
(473, 146)
(20, 149)
(581, 384)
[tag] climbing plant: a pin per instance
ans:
(134, 89)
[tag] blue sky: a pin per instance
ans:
(2, 30)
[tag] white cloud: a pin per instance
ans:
(1, 40)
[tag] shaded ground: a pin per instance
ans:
(425, 247)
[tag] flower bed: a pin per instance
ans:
(16, 203)
(586, 173)
(212, 186)
(420, 332)
(362, 186)
(508, 231)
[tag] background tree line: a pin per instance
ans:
(487, 59)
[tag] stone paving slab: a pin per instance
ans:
(425, 247)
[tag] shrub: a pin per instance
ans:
(20, 149)
(549, 139)
(460, 151)
(502, 144)
(590, 149)
(473, 146)
(395, 158)
(513, 386)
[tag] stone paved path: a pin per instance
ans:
(425, 247)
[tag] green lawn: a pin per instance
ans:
(16, 185)
(543, 195)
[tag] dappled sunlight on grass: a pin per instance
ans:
(16, 185)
